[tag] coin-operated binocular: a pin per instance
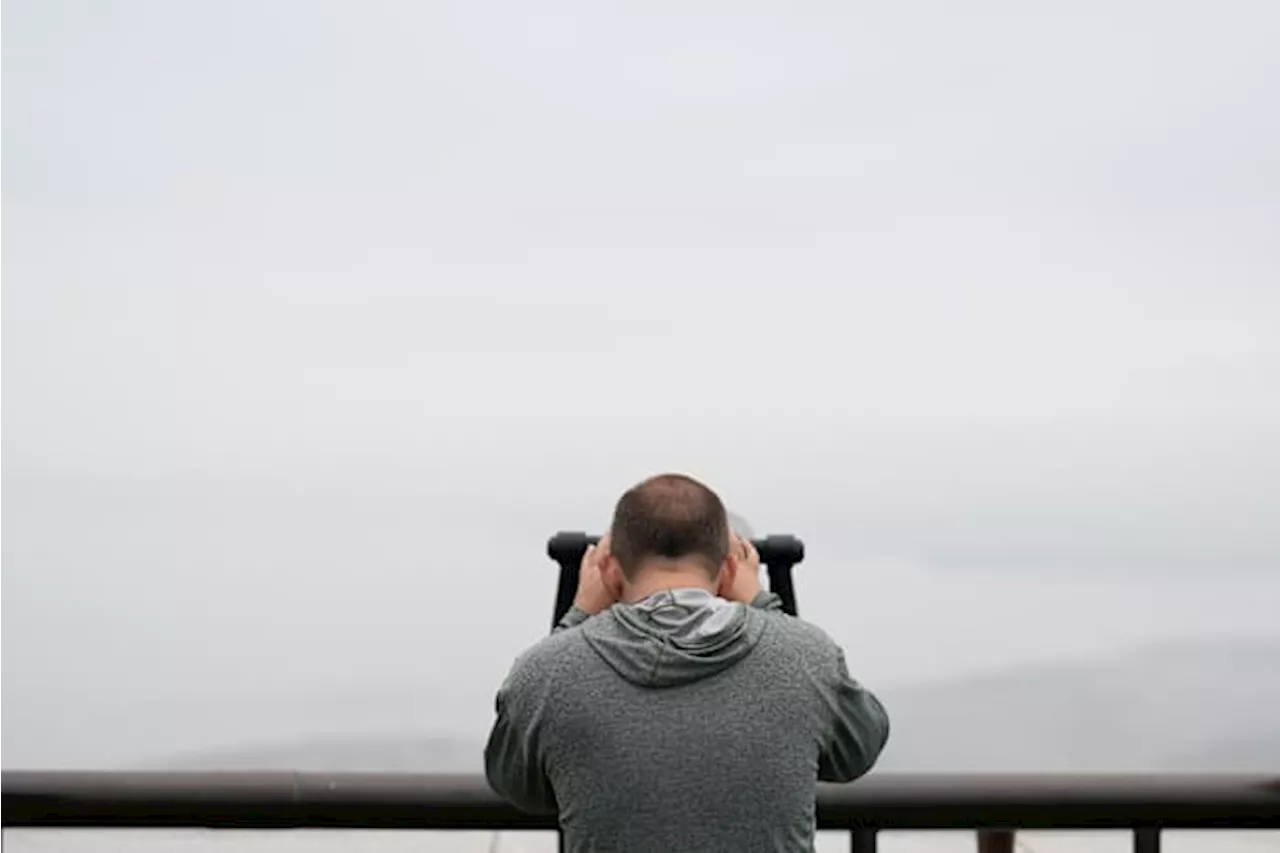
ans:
(778, 553)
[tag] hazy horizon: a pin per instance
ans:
(320, 318)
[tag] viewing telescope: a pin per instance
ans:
(778, 554)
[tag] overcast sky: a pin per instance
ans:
(319, 318)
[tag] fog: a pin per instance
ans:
(320, 318)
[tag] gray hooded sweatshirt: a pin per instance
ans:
(680, 723)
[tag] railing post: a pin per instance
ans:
(996, 840)
(862, 841)
(1146, 839)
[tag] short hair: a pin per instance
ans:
(670, 516)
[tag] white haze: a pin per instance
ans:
(319, 318)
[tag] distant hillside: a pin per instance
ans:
(1257, 754)
(1178, 708)
(381, 754)
(1187, 708)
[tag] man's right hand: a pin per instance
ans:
(744, 585)
(596, 591)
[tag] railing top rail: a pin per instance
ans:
(450, 801)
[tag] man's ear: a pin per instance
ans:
(611, 574)
(728, 572)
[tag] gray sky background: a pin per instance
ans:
(319, 318)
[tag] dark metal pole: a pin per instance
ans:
(862, 841)
(1146, 839)
(996, 840)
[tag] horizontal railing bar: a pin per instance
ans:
(446, 801)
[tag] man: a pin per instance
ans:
(676, 707)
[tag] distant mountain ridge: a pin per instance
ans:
(1248, 754)
(1179, 707)
(1193, 708)
(374, 754)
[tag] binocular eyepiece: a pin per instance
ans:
(570, 546)
(778, 554)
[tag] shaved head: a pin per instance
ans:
(670, 517)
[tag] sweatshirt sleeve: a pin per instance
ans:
(766, 600)
(513, 757)
(858, 730)
(572, 618)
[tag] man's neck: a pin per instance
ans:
(654, 580)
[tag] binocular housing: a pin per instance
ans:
(778, 554)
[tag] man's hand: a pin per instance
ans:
(596, 591)
(743, 580)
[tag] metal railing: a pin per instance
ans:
(994, 805)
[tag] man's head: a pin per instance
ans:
(670, 524)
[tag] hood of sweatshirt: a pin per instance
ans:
(674, 637)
